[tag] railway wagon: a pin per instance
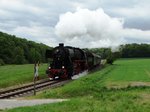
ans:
(67, 61)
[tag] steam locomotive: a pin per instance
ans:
(67, 61)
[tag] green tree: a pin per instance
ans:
(1, 62)
(14, 50)
(34, 55)
(19, 57)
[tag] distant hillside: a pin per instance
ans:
(14, 50)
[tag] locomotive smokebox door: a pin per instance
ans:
(48, 54)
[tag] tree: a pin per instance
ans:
(34, 55)
(1, 62)
(19, 56)
(14, 50)
(135, 50)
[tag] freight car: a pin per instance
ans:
(67, 61)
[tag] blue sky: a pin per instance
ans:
(37, 20)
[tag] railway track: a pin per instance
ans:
(29, 89)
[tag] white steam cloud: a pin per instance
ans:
(86, 28)
(80, 75)
(89, 28)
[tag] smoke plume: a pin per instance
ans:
(86, 28)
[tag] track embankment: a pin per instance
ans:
(30, 89)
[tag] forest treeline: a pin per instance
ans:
(15, 50)
(133, 50)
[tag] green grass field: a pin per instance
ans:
(94, 92)
(129, 71)
(11, 75)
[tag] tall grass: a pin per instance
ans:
(11, 75)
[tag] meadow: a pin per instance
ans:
(96, 92)
(129, 72)
(11, 75)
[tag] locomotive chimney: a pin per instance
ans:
(61, 44)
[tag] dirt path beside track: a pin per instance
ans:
(13, 103)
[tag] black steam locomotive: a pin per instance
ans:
(67, 61)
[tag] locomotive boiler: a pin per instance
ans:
(67, 61)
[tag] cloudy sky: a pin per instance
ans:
(82, 23)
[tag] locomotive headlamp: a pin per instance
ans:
(49, 67)
(63, 67)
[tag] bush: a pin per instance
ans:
(1, 62)
(110, 60)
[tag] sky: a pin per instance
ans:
(80, 23)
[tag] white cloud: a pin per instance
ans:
(137, 34)
(94, 28)
(37, 33)
(133, 12)
(35, 20)
(129, 6)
